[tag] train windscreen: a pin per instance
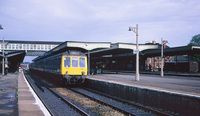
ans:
(74, 61)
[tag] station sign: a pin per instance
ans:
(135, 51)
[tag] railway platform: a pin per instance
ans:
(18, 98)
(176, 84)
(177, 94)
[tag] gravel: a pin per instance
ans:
(128, 108)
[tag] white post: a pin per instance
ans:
(137, 78)
(3, 53)
(162, 73)
(88, 62)
(3, 58)
(135, 29)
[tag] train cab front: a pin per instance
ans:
(74, 69)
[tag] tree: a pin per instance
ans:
(195, 41)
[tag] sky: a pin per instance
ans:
(100, 20)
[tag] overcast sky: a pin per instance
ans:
(100, 20)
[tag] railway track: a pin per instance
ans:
(84, 100)
(121, 105)
(60, 105)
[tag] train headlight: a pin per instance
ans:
(83, 72)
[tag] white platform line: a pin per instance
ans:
(38, 102)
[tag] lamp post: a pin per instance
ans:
(1, 26)
(88, 62)
(3, 58)
(135, 29)
(3, 53)
(162, 60)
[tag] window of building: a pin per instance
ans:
(13, 46)
(38, 47)
(24, 46)
(42, 47)
(49, 47)
(31, 46)
(9, 46)
(17, 46)
(45, 47)
(34, 47)
(27, 46)
(20, 46)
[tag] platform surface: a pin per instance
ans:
(175, 84)
(8, 95)
(29, 102)
(17, 98)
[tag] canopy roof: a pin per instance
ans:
(174, 51)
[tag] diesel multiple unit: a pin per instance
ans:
(70, 66)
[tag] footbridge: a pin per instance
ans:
(12, 52)
(31, 48)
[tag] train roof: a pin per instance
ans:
(69, 52)
(73, 52)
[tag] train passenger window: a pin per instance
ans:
(74, 61)
(82, 62)
(67, 62)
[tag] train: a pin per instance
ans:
(69, 67)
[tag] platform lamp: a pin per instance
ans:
(3, 53)
(135, 29)
(1, 26)
(162, 61)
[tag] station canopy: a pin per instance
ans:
(173, 51)
(84, 47)
(122, 48)
(13, 59)
(98, 49)
(81, 46)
